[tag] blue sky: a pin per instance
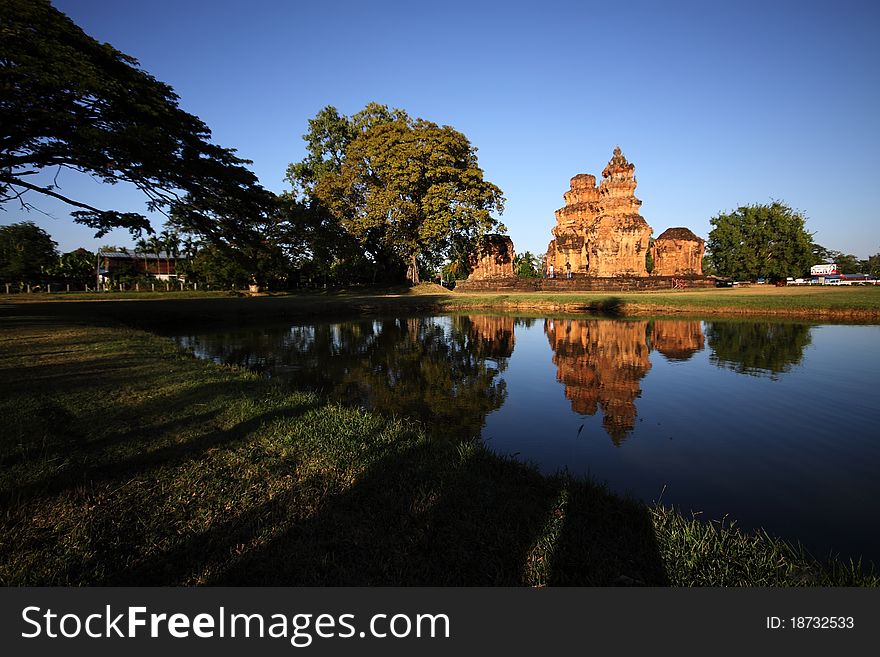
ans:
(717, 104)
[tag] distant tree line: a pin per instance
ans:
(771, 241)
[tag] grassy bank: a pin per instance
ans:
(123, 461)
(832, 303)
(819, 302)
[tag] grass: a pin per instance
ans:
(125, 462)
(836, 303)
(821, 302)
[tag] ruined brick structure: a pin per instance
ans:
(678, 252)
(600, 232)
(492, 259)
(600, 238)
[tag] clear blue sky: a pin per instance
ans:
(717, 104)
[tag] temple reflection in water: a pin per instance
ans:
(601, 362)
(782, 406)
(491, 335)
(677, 339)
(450, 371)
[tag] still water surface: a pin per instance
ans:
(771, 424)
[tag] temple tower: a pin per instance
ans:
(599, 231)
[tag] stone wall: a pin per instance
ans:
(585, 284)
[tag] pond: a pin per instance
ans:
(771, 424)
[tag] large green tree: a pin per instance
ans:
(846, 262)
(329, 135)
(872, 265)
(76, 267)
(760, 241)
(409, 191)
(70, 102)
(26, 253)
(319, 247)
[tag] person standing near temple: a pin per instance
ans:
(567, 269)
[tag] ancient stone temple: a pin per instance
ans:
(492, 259)
(678, 252)
(600, 232)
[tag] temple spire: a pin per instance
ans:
(618, 164)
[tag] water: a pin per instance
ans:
(768, 423)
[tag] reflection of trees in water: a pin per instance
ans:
(757, 348)
(677, 339)
(443, 371)
(601, 364)
(254, 349)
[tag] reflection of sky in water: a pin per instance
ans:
(771, 423)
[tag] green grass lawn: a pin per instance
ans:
(124, 461)
(858, 303)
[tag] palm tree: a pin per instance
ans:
(190, 246)
(143, 246)
(171, 242)
(156, 248)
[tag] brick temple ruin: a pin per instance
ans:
(599, 231)
(678, 252)
(492, 259)
(600, 242)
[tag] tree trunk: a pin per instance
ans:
(414, 269)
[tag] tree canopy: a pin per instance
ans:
(407, 190)
(70, 102)
(527, 265)
(760, 241)
(77, 267)
(26, 252)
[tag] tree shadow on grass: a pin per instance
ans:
(92, 440)
(605, 540)
(170, 315)
(167, 455)
(423, 513)
(425, 517)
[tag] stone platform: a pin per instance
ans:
(581, 283)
